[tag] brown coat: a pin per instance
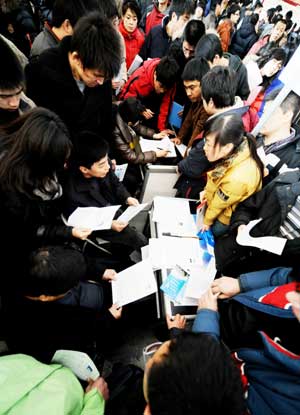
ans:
(193, 123)
(126, 145)
(225, 31)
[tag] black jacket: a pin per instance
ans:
(157, 42)
(272, 204)
(243, 39)
(82, 192)
(50, 84)
(239, 68)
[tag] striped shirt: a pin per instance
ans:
(290, 229)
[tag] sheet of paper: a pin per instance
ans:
(92, 217)
(120, 171)
(201, 209)
(181, 148)
(80, 363)
(200, 279)
(145, 252)
(154, 145)
(170, 210)
(173, 284)
(272, 244)
(131, 212)
(135, 64)
(134, 283)
(167, 252)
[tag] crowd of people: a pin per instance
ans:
(81, 81)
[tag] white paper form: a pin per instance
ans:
(154, 145)
(170, 210)
(92, 217)
(120, 171)
(181, 148)
(80, 363)
(167, 252)
(200, 279)
(131, 212)
(134, 283)
(272, 244)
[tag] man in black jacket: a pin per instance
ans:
(73, 79)
(277, 205)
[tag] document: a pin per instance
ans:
(174, 284)
(134, 283)
(136, 63)
(174, 119)
(272, 244)
(200, 279)
(120, 171)
(92, 217)
(131, 212)
(181, 148)
(80, 363)
(201, 209)
(154, 145)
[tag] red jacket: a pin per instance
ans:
(153, 18)
(133, 43)
(140, 84)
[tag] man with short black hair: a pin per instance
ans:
(13, 101)
(158, 40)
(74, 79)
(154, 84)
(209, 47)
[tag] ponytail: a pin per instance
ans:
(253, 152)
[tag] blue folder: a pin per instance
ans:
(174, 119)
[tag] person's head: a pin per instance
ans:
(193, 31)
(179, 14)
(11, 78)
(282, 117)
(66, 13)
(258, 7)
(272, 62)
(209, 47)
(91, 155)
(218, 89)
(165, 75)
(108, 8)
(192, 374)
(52, 271)
(270, 14)
(254, 19)
(192, 76)
(131, 110)
(36, 147)
(277, 31)
(234, 13)
(289, 15)
(278, 9)
(95, 51)
(131, 15)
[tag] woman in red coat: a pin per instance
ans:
(133, 37)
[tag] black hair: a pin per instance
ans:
(279, 20)
(196, 375)
(258, 4)
(275, 53)
(11, 72)
(278, 8)
(195, 69)
(233, 9)
(180, 7)
(132, 5)
(36, 147)
(108, 8)
(70, 9)
(229, 128)
(208, 47)
(289, 15)
(97, 44)
(219, 84)
(53, 270)
(254, 18)
(290, 103)
(88, 149)
(130, 110)
(193, 31)
(167, 72)
(270, 14)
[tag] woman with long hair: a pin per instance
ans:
(33, 151)
(238, 172)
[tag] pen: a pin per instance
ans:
(159, 148)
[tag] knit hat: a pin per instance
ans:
(11, 72)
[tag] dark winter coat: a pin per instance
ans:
(243, 39)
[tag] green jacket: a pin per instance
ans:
(30, 387)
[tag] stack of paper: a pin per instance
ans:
(134, 283)
(155, 145)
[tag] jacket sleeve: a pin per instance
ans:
(165, 108)
(207, 321)
(224, 33)
(93, 403)
(186, 128)
(199, 126)
(196, 163)
(267, 278)
(144, 131)
(219, 203)
(121, 192)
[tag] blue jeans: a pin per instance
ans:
(219, 229)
